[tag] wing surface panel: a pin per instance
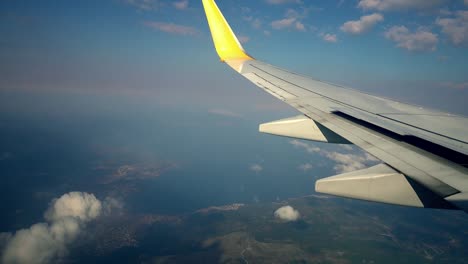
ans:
(447, 130)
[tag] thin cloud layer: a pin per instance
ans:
(456, 28)
(419, 40)
(48, 242)
(329, 37)
(364, 24)
(243, 39)
(224, 112)
(171, 28)
(285, 23)
(392, 5)
(302, 145)
(256, 168)
(349, 162)
(145, 5)
(345, 162)
(457, 86)
(280, 2)
(305, 167)
(181, 5)
(287, 213)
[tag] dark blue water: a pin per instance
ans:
(55, 150)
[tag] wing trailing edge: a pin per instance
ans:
(301, 127)
(383, 184)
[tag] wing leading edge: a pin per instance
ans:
(423, 165)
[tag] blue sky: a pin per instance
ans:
(413, 51)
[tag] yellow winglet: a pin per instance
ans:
(226, 43)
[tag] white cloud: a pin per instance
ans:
(456, 28)
(419, 40)
(145, 5)
(280, 2)
(329, 37)
(243, 39)
(299, 26)
(345, 162)
(48, 242)
(256, 168)
(287, 213)
(171, 28)
(283, 23)
(181, 5)
(392, 5)
(224, 112)
(466, 2)
(349, 162)
(74, 204)
(256, 23)
(292, 20)
(300, 144)
(305, 167)
(364, 24)
(457, 86)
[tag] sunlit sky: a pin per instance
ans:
(413, 51)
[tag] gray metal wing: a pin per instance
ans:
(424, 151)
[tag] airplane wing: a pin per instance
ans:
(424, 153)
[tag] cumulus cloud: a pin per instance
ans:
(302, 145)
(350, 162)
(181, 5)
(329, 37)
(280, 2)
(364, 24)
(48, 242)
(419, 40)
(456, 28)
(224, 112)
(171, 28)
(392, 5)
(345, 162)
(256, 23)
(299, 26)
(112, 204)
(145, 5)
(256, 168)
(283, 23)
(292, 20)
(305, 167)
(82, 206)
(287, 213)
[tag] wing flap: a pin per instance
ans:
(301, 127)
(383, 184)
(378, 184)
